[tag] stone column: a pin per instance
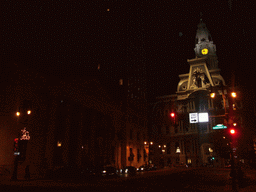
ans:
(50, 142)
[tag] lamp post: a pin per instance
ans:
(22, 139)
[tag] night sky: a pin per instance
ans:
(69, 39)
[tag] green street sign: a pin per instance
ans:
(220, 126)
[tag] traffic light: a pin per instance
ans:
(173, 117)
(232, 131)
(172, 114)
(16, 145)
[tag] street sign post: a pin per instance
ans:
(220, 126)
(198, 117)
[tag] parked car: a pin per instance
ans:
(109, 171)
(143, 168)
(129, 170)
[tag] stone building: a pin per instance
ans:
(183, 139)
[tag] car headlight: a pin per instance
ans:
(104, 171)
(126, 170)
(138, 169)
(142, 168)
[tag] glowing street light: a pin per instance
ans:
(18, 114)
(212, 95)
(233, 94)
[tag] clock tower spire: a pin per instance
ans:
(204, 46)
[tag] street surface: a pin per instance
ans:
(175, 179)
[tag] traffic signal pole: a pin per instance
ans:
(15, 170)
(233, 170)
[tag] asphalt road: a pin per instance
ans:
(203, 179)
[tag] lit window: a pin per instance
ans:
(121, 82)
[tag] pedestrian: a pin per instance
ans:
(27, 173)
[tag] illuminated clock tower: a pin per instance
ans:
(204, 46)
(204, 72)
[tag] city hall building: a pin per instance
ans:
(180, 136)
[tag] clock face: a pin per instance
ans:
(204, 51)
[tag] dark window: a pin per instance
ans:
(131, 132)
(167, 129)
(168, 148)
(138, 155)
(144, 154)
(175, 129)
(138, 135)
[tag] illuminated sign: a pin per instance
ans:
(203, 117)
(198, 117)
(220, 126)
(193, 117)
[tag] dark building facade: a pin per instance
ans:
(72, 122)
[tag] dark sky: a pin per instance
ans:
(69, 39)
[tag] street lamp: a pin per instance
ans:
(22, 139)
(233, 94)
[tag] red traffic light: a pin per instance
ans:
(16, 145)
(172, 115)
(232, 131)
